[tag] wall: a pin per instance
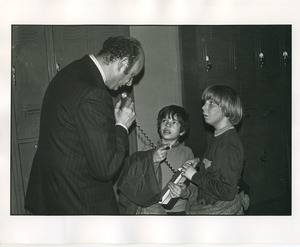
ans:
(161, 82)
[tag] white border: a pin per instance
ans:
(129, 230)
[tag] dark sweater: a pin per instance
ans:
(220, 169)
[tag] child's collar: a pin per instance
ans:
(223, 130)
(175, 144)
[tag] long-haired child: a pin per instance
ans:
(221, 166)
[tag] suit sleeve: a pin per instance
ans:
(104, 144)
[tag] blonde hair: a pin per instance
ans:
(227, 99)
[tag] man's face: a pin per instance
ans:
(119, 78)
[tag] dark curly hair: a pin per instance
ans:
(178, 113)
(119, 47)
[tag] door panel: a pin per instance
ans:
(26, 152)
(29, 78)
(275, 147)
(247, 74)
(194, 82)
(98, 34)
(219, 49)
(265, 90)
(251, 137)
(272, 85)
(70, 43)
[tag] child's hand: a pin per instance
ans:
(188, 172)
(188, 169)
(177, 190)
(160, 153)
(192, 162)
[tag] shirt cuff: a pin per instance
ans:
(123, 126)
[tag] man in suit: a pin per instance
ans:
(83, 138)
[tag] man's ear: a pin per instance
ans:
(123, 64)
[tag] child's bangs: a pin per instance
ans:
(213, 95)
(175, 116)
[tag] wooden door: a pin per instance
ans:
(264, 98)
(286, 75)
(275, 163)
(248, 80)
(251, 137)
(264, 85)
(74, 41)
(245, 63)
(38, 53)
(194, 81)
(98, 34)
(217, 42)
(70, 43)
(30, 79)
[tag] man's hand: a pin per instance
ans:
(125, 115)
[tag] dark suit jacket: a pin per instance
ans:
(80, 149)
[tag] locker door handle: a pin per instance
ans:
(13, 75)
(57, 67)
(285, 57)
(261, 57)
(208, 64)
(264, 156)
